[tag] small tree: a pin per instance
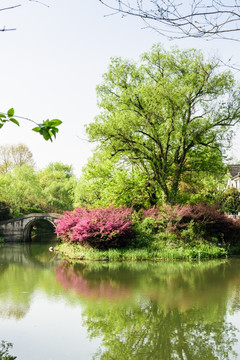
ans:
(14, 155)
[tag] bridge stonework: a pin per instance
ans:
(19, 229)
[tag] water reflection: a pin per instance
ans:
(173, 284)
(28, 255)
(146, 331)
(173, 310)
(24, 268)
(93, 282)
(148, 310)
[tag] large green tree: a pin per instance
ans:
(170, 116)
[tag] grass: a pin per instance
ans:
(164, 252)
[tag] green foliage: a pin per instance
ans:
(169, 117)
(230, 201)
(48, 128)
(112, 181)
(4, 211)
(57, 185)
(201, 188)
(24, 190)
(146, 230)
(8, 117)
(20, 190)
(4, 351)
(161, 252)
(193, 233)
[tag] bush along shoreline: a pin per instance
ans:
(173, 232)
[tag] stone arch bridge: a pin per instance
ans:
(19, 229)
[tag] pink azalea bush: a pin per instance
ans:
(101, 228)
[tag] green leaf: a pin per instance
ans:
(54, 131)
(1, 125)
(10, 112)
(47, 136)
(55, 122)
(14, 121)
(3, 116)
(37, 129)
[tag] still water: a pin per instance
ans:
(53, 310)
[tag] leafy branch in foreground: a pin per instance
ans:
(48, 129)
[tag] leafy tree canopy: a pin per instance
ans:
(170, 116)
(112, 181)
(24, 190)
(57, 185)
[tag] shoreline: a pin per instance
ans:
(79, 253)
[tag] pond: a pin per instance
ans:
(51, 309)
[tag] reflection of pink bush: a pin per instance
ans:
(96, 226)
(89, 289)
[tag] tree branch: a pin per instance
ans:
(217, 20)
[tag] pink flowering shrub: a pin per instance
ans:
(152, 212)
(100, 228)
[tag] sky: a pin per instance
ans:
(52, 63)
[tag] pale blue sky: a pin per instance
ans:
(52, 64)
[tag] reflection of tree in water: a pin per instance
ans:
(235, 300)
(24, 274)
(146, 331)
(3, 268)
(72, 278)
(11, 310)
(174, 310)
(181, 284)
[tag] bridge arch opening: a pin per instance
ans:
(39, 230)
